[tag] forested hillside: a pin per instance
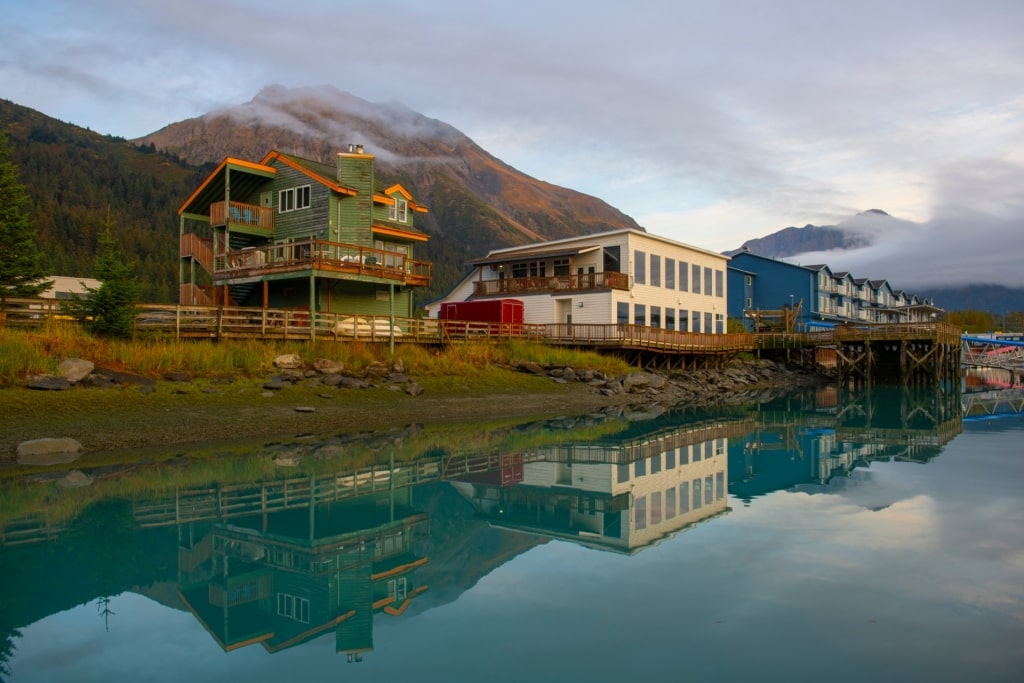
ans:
(78, 180)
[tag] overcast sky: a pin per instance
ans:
(708, 122)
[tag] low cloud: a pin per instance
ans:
(974, 236)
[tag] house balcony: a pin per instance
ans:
(318, 255)
(552, 283)
(239, 217)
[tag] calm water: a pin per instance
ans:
(817, 537)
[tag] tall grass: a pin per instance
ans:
(28, 352)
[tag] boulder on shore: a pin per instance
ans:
(48, 451)
(48, 383)
(75, 370)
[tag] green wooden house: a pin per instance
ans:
(292, 233)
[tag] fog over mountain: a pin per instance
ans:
(976, 241)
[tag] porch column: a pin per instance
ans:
(391, 314)
(312, 307)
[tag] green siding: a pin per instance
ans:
(361, 298)
(301, 223)
(356, 213)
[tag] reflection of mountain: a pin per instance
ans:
(463, 547)
(100, 553)
(283, 561)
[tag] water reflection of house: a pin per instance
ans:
(285, 577)
(623, 496)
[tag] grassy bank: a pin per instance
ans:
(225, 401)
(30, 352)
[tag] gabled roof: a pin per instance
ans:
(212, 188)
(384, 199)
(319, 173)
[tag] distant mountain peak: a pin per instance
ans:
(874, 211)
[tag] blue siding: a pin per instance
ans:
(773, 283)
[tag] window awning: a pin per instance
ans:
(533, 254)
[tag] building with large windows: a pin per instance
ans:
(626, 277)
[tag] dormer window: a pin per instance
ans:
(399, 211)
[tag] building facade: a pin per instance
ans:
(287, 232)
(618, 277)
(765, 292)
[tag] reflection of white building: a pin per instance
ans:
(619, 503)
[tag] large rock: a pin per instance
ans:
(288, 361)
(528, 366)
(75, 370)
(637, 381)
(326, 366)
(48, 383)
(48, 451)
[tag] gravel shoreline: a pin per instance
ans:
(179, 413)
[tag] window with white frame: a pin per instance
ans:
(399, 210)
(293, 198)
(397, 589)
(293, 607)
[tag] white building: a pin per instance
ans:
(64, 287)
(620, 277)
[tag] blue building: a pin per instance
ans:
(766, 293)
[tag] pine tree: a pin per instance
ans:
(109, 310)
(21, 271)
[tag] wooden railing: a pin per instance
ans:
(641, 336)
(237, 214)
(552, 283)
(199, 248)
(196, 295)
(223, 322)
(321, 255)
(939, 332)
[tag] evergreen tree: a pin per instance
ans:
(109, 310)
(21, 271)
